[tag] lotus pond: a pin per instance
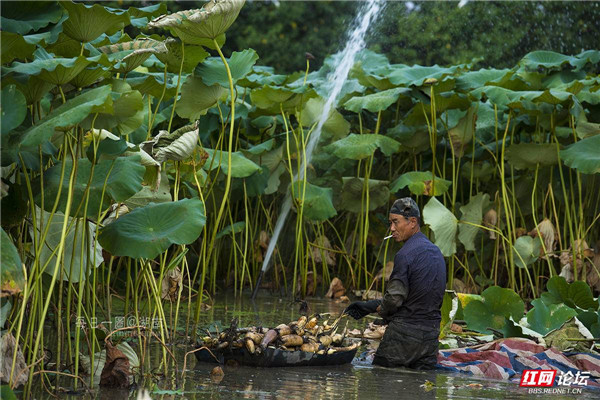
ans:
(146, 169)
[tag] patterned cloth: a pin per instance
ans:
(507, 358)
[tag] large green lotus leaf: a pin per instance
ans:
(443, 224)
(546, 59)
(90, 75)
(583, 155)
(414, 139)
(462, 134)
(139, 17)
(591, 320)
(86, 23)
(352, 193)
(56, 70)
(357, 147)
(526, 251)
(483, 77)
(34, 89)
(473, 213)
(71, 113)
(375, 102)
(497, 304)
(209, 22)
(123, 177)
(14, 46)
(317, 202)
(421, 182)
(191, 55)
(257, 79)
(529, 155)
(509, 98)
(545, 318)
(13, 108)
(272, 98)
(13, 280)
(125, 113)
(576, 294)
(584, 58)
(78, 242)
(153, 84)
(212, 70)
(334, 127)
(416, 75)
(241, 167)
(26, 16)
(196, 98)
(148, 231)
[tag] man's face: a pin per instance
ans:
(401, 227)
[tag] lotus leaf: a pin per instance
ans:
(261, 148)
(583, 155)
(232, 229)
(254, 80)
(530, 155)
(271, 97)
(122, 176)
(212, 70)
(86, 23)
(474, 79)
(352, 194)
(89, 76)
(209, 22)
(196, 98)
(191, 55)
(24, 17)
(148, 231)
(55, 70)
(497, 304)
(414, 139)
(526, 251)
(545, 318)
(14, 205)
(421, 182)
(375, 102)
(153, 84)
(418, 75)
(34, 89)
(443, 224)
(576, 294)
(504, 98)
(462, 134)
(316, 203)
(14, 46)
(562, 338)
(546, 59)
(13, 280)
(148, 195)
(241, 167)
(176, 146)
(591, 320)
(13, 108)
(68, 114)
(130, 55)
(252, 186)
(448, 310)
(335, 125)
(472, 213)
(79, 241)
(357, 147)
(126, 112)
(139, 17)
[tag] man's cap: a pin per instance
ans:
(406, 207)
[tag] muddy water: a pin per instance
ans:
(359, 380)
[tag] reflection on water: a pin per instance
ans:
(359, 380)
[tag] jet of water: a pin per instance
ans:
(356, 42)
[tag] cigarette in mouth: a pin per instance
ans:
(387, 237)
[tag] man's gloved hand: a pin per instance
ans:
(359, 309)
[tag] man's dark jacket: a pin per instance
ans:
(412, 305)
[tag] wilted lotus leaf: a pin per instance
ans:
(209, 22)
(490, 219)
(497, 304)
(13, 280)
(546, 230)
(8, 347)
(583, 155)
(379, 194)
(171, 284)
(544, 318)
(336, 289)
(148, 231)
(317, 204)
(176, 146)
(116, 369)
(473, 213)
(562, 338)
(86, 23)
(357, 147)
(421, 182)
(318, 253)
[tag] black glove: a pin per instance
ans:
(359, 309)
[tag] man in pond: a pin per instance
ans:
(413, 297)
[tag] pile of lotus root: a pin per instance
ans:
(305, 334)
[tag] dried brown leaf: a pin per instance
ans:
(116, 370)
